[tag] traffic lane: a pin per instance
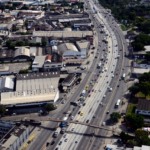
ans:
(86, 143)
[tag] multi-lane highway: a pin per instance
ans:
(100, 98)
(96, 99)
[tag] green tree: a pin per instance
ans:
(134, 89)
(145, 77)
(115, 116)
(125, 137)
(138, 46)
(145, 88)
(49, 107)
(145, 26)
(2, 110)
(142, 137)
(134, 121)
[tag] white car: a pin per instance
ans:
(72, 117)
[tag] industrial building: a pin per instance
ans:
(74, 53)
(12, 136)
(33, 89)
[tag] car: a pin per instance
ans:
(72, 117)
(104, 96)
(53, 142)
(63, 102)
(47, 144)
(64, 135)
(104, 123)
(72, 129)
(60, 142)
(87, 121)
(81, 114)
(66, 140)
(107, 112)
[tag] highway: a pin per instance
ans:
(97, 143)
(72, 141)
(99, 99)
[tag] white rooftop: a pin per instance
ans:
(140, 70)
(34, 90)
(147, 48)
(62, 33)
(38, 62)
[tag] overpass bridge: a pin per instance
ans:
(113, 130)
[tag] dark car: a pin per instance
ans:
(53, 142)
(60, 142)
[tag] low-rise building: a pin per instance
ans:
(70, 80)
(7, 84)
(143, 107)
(14, 135)
(115, 147)
(38, 63)
(53, 61)
(139, 71)
(4, 70)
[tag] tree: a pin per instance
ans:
(49, 107)
(145, 77)
(138, 46)
(115, 116)
(145, 26)
(134, 121)
(125, 137)
(134, 89)
(142, 137)
(145, 88)
(2, 110)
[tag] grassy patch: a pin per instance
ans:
(131, 108)
(123, 27)
(141, 95)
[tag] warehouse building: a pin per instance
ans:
(74, 53)
(33, 89)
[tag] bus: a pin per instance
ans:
(118, 103)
